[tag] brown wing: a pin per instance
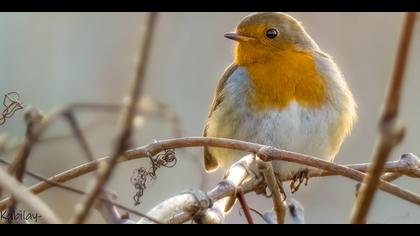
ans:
(210, 162)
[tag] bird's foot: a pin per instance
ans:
(302, 176)
(263, 189)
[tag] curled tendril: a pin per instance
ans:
(12, 104)
(141, 175)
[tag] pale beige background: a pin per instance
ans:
(54, 59)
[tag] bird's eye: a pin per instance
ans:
(271, 33)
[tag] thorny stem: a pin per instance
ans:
(391, 133)
(123, 139)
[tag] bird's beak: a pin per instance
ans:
(238, 37)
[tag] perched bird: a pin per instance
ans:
(281, 90)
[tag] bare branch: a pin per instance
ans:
(33, 118)
(78, 133)
(159, 146)
(391, 132)
(31, 201)
(108, 211)
(235, 175)
(80, 192)
(188, 203)
(169, 209)
(244, 205)
(271, 154)
(408, 164)
(151, 108)
(198, 205)
(270, 180)
(124, 136)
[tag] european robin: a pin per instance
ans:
(281, 90)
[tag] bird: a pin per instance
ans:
(281, 90)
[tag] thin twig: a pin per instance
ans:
(108, 211)
(391, 132)
(33, 118)
(270, 180)
(408, 164)
(158, 146)
(78, 133)
(244, 205)
(123, 138)
(31, 201)
(271, 154)
(394, 167)
(161, 111)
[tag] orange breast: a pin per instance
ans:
(285, 77)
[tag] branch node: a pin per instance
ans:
(411, 160)
(392, 131)
(201, 198)
(265, 152)
(33, 118)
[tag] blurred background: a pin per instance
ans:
(56, 59)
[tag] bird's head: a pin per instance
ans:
(260, 36)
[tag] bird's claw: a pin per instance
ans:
(263, 189)
(300, 177)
